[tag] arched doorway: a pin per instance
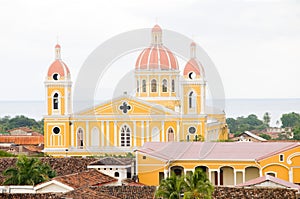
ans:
(178, 170)
(203, 169)
(80, 138)
(226, 176)
(170, 135)
(251, 173)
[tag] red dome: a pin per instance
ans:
(157, 57)
(57, 46)
(193, 65)
(59, 67)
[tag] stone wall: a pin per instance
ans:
(62, 166)
(253, 193)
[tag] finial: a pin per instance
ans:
(193, 49)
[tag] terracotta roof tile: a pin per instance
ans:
(87, 178)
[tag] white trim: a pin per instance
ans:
(163, 131)
(134, 129)
(107, 134)
(289, 158)
(40, 186)
(115, 133)
(147, 130)
(87, 134)
(142, 133)
(102, 134)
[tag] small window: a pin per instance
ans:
(271, 174)
(144, 157)
(281, 158)
(110, 168)
(104, 168)
(144, 86)
(56, 130)
(164, 86)
(55, 76)
(117, 174)
(137, 86)
(173, 85)
(153, 86)
(55, 101)
(188, 138)
(192, 130)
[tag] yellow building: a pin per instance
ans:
(168, 106)
(225, 163)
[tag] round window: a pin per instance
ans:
(192, 75)
(55, 76)
(56, 130)
(192, 130)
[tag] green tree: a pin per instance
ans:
(171, 187)
(28, 171)
(296, 132)
(198, 186)
(267, 118)
(265, 136)
(290, 120)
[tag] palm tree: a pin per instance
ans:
(171, 187)
(28, 171)
(197, 186)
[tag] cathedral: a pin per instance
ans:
(169, 105)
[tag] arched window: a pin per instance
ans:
(117, 174)
(188, 138)
(192, 101)
(153, 85)
(170, 135)
(164, 86)
(144, 86)
(55, 101)
(173, 85)
(137, 86)
(80, 138)
(125, 136)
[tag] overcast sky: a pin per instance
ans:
(255, 45)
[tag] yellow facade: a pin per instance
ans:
(166, 107)
(284, 164)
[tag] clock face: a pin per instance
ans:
(55, 76)
(192, 130)
(192, 75)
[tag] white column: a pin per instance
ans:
(163, 131)
(178, 131)
(219, 177)
(234, 177)
(87, 134)
(107, 134)
(291, 175)
(102, 133)
(134, 129)
(209, 175)
(142, 133)
(72, 134)
(115, 133)
(202, 99)
(244, 177)
(170, 85)
(147, 130)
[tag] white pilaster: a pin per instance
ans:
(163, 131)
(72, 134)
(134, 129)
(219, 177)
(147, 130)
(107, 134)
(202, 99)
(244, 177)
(87, 134)
(291, 175)
(102, 133)
(209, 175)
(142, 133)
(234, 177)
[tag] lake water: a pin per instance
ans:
(233, 108)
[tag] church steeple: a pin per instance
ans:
(57, 52)
(156, 35)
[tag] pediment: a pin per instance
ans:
(127, 105)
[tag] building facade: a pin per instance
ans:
(225, 163)
(168, 106)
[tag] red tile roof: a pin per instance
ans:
(87, 178)
(215, 150)
(22, 139)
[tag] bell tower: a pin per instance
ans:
(58, 87)
(193, 85)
